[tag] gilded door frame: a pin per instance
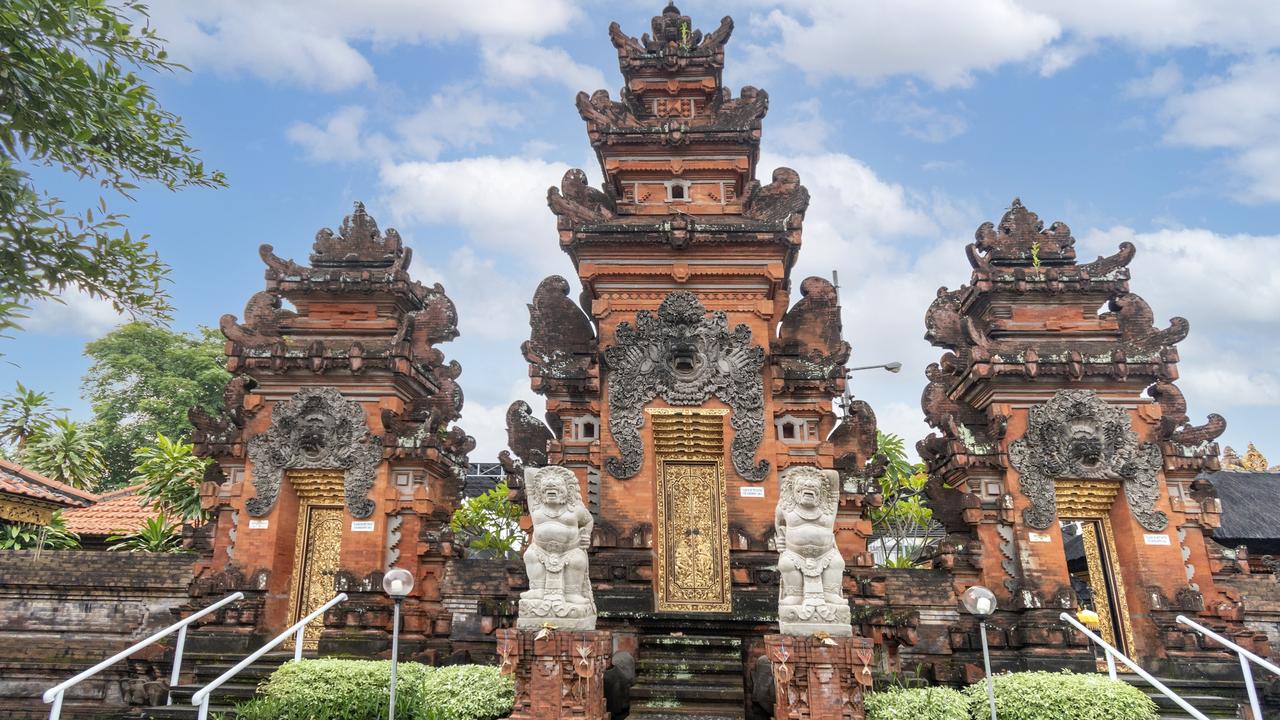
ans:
(687, 439)
(1090, 501)
(317, 491)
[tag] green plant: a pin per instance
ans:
(468, 692)
(53, 536)
(157, 535)
(490, 523)
(904, 524)
(142, 382)
(1055, 696)
(71, 99)
(338, 690)
(66, 451)
(171, 474)
(934, 703)
(1035, 255)
(23, 414)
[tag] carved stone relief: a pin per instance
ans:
(1076, 435)
(811, 595)
(685, 356)
(316, 429)
(559, 582)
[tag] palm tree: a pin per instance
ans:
(64, 451)
(171, 474)
(23, 414)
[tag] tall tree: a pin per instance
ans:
(66, 452)
(171, 474)
(142, 380)
(23, 414)
(904, 524)
(71, 99)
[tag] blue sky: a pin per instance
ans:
(911, 122)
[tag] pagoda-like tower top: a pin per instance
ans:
(676, 141)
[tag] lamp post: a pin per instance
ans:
(981, 603)
(892, 367)
(397, 583)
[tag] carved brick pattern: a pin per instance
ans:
(560, 675)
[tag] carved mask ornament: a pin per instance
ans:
(685, 356)
(316, 429)
(1078, 436)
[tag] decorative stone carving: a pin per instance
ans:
(1077, 435)
(810, 598)
(316, 429)
(685, 356)
(527, 438)
(578, 201)
(779, 201)
(559, 586)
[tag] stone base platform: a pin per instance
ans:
(819, 678)
(559, 673)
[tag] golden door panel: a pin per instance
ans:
(318, 547)
(692, 543)
(1096, 578)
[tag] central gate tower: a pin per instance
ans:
(685, 379)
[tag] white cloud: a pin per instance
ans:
(1152, 25)
(73, 314)
(456, 118)
(488, 423)
(515, 63)
(1228, 288)
(315, 43)
(499, 202)
(807, 131)
(944, 43)
(1238, 112)
(1162, 81)
(337, 140)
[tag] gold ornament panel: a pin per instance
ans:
(692, 544)
(318, 549)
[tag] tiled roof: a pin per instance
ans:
(118, 512)
(17, 480)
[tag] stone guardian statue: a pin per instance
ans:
(559, 591)
(811, 597)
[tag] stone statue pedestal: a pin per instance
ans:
(559, 675)
(819, 679)
(533, 614)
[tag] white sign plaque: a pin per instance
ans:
(1040, 537)
(361, 526)
(1156, 539)
(751, 492)
(258, 524)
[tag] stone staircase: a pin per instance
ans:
(688, 677)
(1214, 698)
(207, 669)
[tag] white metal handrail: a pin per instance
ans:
(55, 694)
(1114, 654)
(1245, 658)
(201, 698)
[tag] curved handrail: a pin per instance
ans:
(1245, 657)
(1114, 654)
(55, 694)
(201, 697)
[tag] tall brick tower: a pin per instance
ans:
(1064, 448)
(336, 458)
(685, 379)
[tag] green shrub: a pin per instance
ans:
(935, 703)
(328, 689)
(468, 692)
(1061, 696)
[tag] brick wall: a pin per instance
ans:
(64, 611)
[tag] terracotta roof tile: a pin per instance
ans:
(17, 480)
(118, 512)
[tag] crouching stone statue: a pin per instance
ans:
(559, 591)
(811, 598)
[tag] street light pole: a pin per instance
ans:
(981, 603)
(397, 583)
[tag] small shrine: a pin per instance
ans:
(1065, 467)
(337, 456)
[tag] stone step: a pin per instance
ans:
(726, 663)
(687, 711)
(231, 692)
(187, 711)
(687, 692)
(685, 641)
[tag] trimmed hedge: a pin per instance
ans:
(469, 692)
(1019, 696)
(330, 689)
(1054, 696)
(934, 703)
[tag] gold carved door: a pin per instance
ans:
(317, 553)
(1095, 571)
(691, 544)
